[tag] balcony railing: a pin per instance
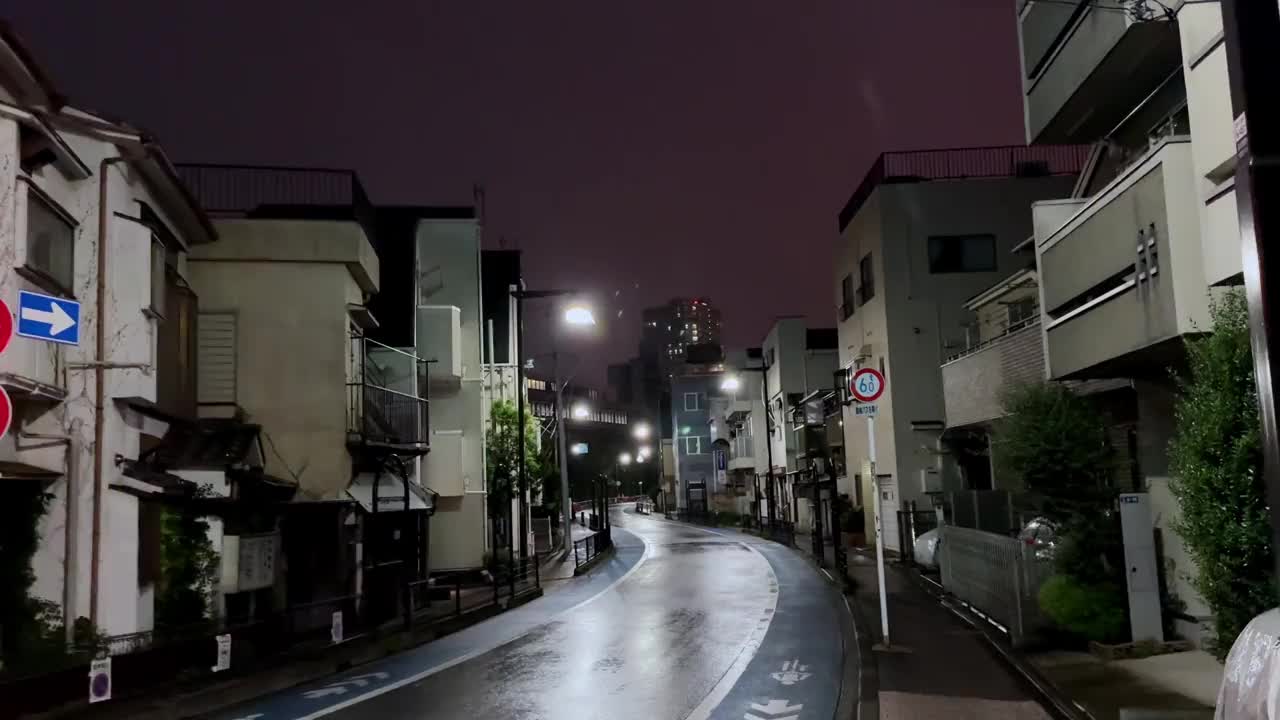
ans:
(965, 163)
(386, 406)
(279, 192)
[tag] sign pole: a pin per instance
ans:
(879, 511)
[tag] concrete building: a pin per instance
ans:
(91, 211)
(1127, 260)
(738, 429)
(693, 387)
(283, 345)
(922, 234)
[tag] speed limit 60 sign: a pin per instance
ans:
(866, 385)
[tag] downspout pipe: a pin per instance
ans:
(99, 385)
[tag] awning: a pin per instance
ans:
(390, 493)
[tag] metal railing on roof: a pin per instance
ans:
(965, 163)
(279, 192)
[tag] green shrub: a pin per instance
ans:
(1216, 460)
(1094, 612)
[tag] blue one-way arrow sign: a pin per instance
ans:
(48, 318)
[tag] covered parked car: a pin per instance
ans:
(1041, 534)
(925, 551)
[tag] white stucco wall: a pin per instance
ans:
(448, 274)
(123, 606)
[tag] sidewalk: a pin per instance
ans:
(937, 667)
(560, 565)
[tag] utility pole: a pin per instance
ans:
(1251, 30)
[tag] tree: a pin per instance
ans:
(1216, 459)
(1056, 442)
(504, 455)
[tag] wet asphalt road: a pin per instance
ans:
(686, 624)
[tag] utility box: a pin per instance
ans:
(1141, 574)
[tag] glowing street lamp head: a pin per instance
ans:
(643, 452)
(641, 457)
(642, 431)
(625, 458)
(730, 383)
(579, 316)
(581, 412)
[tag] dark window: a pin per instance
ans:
(1021, 311)
(158, 268)
(867, 278)
(962, 253)
(50, 242)
(846, 297)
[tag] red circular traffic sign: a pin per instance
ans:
(6, 412)
(6, 325)
(866, 385)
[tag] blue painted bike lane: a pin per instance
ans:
(322, 697)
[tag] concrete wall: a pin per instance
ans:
(293, 347)
(448, 274)
(693, 423)
(972, 384)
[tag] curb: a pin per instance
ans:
(1056, 702)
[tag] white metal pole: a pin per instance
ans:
(875, 486)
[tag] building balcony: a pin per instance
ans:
(1085, 66)
(1121, 275)
(742, 462)
(972, 381)
(385, 406)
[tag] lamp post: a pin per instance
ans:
(575, 315)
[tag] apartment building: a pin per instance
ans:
(737, 428)
(1128, 260)
(923, 234)
(693, 387)
(284, 348)
(94, 219)
(433, 256)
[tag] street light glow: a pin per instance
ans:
(642, 431)
(625, 458)
(641, 457)
(644, 451)
(730, 383)
(579, 315)
(581, 412)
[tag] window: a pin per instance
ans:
(846, 297)
(867, 278)
(157, 276)
(693, 401)
(771, 357)
(695, 445)
(962, 253)
(50, 242)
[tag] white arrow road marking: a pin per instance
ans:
(340, 688)
(325, 691)
(57, 319)
(774, 709)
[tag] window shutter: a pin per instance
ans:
(216, 378)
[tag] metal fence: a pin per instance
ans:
(586, 549)
(993, 511)
(997, 576)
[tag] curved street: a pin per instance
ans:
(682, 622)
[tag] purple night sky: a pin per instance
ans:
(646, 150)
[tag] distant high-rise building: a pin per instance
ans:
(670, 329)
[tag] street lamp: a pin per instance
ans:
(624, 459)
(642, 431)
(575, 315)
(581, 411)
(730, 383)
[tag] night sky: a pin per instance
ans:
(640, 150)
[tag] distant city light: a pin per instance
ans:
(579, 449)
(581, 412)
(642, 431)
(625, 458)
(731, 383)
